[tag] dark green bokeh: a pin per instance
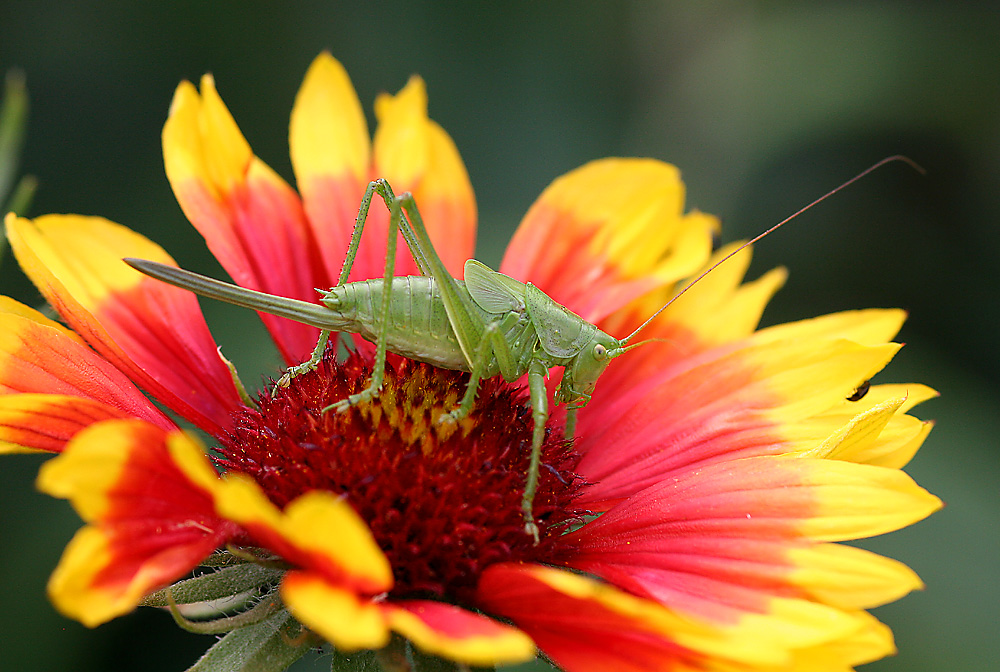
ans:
(763, 106)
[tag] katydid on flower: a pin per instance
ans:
(487, 325)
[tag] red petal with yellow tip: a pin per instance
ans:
(39, 357)
(153, 332)
(330, 149)
(9, 306)
(340, 615)
(586, 626)
(415, 154)
(730, 402)
(607, 233)
(457, 634)
(720, 541)
(251, 219)
(45, 422)
(716, 311)
(446, 201)
(318, 531)
(145, 494)
(869, 641)
(342, 568)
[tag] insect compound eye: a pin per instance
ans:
(600, 352)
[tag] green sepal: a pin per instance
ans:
(222, 584)
(269, 646)
(222, 558)
(237, 381)
(266, 606)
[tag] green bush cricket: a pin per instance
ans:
(489, 324)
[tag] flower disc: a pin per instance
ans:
(442, 500)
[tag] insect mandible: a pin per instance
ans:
(490, 323)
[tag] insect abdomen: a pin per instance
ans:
(418, 324)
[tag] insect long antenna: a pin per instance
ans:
(622, 350)
(898, 157)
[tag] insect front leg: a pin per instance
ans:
(537, 369)
(491, 345)
(309, 364)
(480, 361)
(570, 428)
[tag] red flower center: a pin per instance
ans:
(443, 501)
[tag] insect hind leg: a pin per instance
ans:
(395, 203)
(382, 188)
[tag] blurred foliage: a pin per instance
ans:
(13, 119)
(764, 106)
(15, 197)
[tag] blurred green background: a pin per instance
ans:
(763, 106)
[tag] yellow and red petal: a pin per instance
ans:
(608, 233)
(331, 155)
(868, 327)
(348, 620)
(716, 311)
(725, 542)
(719, 311)
(328, 132)
(45, 422)
(728, 403)
(39, 357)
(867, 642)
(351, 622)
(317, 531)
(9, 306)
(153, 332)
(415, 154)
(454, 633)
(584, 625)
(251, 219)
(874, 431)
(848, 577)
(343, 570)
(146, 493)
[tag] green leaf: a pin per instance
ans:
(269, 646)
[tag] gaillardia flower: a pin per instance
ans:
(688, 525)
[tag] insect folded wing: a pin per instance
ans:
(493, 292)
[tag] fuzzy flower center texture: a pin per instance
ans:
(443, 501)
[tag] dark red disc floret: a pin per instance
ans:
(442, 500)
